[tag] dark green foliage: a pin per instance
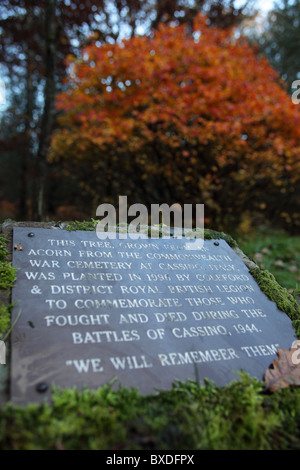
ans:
(280, 41)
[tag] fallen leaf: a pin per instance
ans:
(258, 256)
(18, 246)
(284, 371)
(293, 269)
(279, 263)
(59, 446)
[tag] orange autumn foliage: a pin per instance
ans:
(181, 116)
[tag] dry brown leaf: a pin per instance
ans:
(284, 371)
(258, 256)
(293, 269)
(18, 246)
(279, 263)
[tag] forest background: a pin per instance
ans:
(151, 100)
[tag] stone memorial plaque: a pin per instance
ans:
(142, 312)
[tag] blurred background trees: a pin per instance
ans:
(71, 186)
(185, 117)
(280, 41)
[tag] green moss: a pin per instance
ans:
(84, 225)
(285, 301)
(7, 272)
(212, 234)
(189, 416)
(156, 231)
(7, 275)
(3, 249)
(5, 319)
(7, 279)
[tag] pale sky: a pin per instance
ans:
(265, 5)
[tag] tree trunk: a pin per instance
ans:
(48, 112)
(27, 149)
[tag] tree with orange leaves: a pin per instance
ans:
(181, 116)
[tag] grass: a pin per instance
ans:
(277, 252)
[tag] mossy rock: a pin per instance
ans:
(241, 415)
